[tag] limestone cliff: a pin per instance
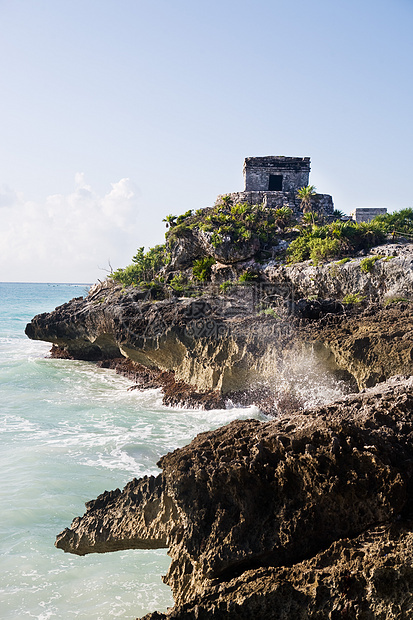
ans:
(391, 275)
(304, 517)
(251, 336)
(213, 342)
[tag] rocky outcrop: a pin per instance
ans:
(214, 342)
(390, 276)
(304, 517)
(371, 345)
(187, 245)
(228, 343)
(369, 577)
(227, 252)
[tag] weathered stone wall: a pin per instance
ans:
(294, 170)
(366, 215)
(269, 199)
(321, 202)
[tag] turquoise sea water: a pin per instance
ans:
(68, 432)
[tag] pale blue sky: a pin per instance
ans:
(114, 113)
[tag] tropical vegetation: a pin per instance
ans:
(334, 240)
(241, 223)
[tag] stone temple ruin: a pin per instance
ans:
(275, 181)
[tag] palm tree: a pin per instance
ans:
(170, 220)
(305, 194)
(337, 214)
(226, 200)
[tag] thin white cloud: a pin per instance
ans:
(68, 237)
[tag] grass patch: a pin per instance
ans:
(271, 312)
(353, 298)
(396, 300)
(368, 263)
(247, 276)
(226, 286)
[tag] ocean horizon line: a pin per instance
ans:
(46, 282)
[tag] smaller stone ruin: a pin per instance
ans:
(367, 214)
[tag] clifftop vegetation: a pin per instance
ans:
(251, 231)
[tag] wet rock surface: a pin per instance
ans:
(175, 393)
(306, 516)
(372, 345)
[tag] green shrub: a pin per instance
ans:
(202, 268)
(322, 249)
(129, 276)
(353, 298)
(226, 286)
(179, 231)
(284, 217)
(241, 222)
(370, 234)
(178, 283)
(343, 261)
(368, 263)
(395, 300)
(227, 200)
(299, 250)
(240, 209)
(399, 222)
(216, 239)
(145, 267)
(347, 237)
(271, 312)
(247, 276)
(181, 218)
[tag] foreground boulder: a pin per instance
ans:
(303, 517)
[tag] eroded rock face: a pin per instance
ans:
(142, 516)
(369, 577)
(371, 345)
(225, 344)
(390, 276)
(212, 343)
(245, 507)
